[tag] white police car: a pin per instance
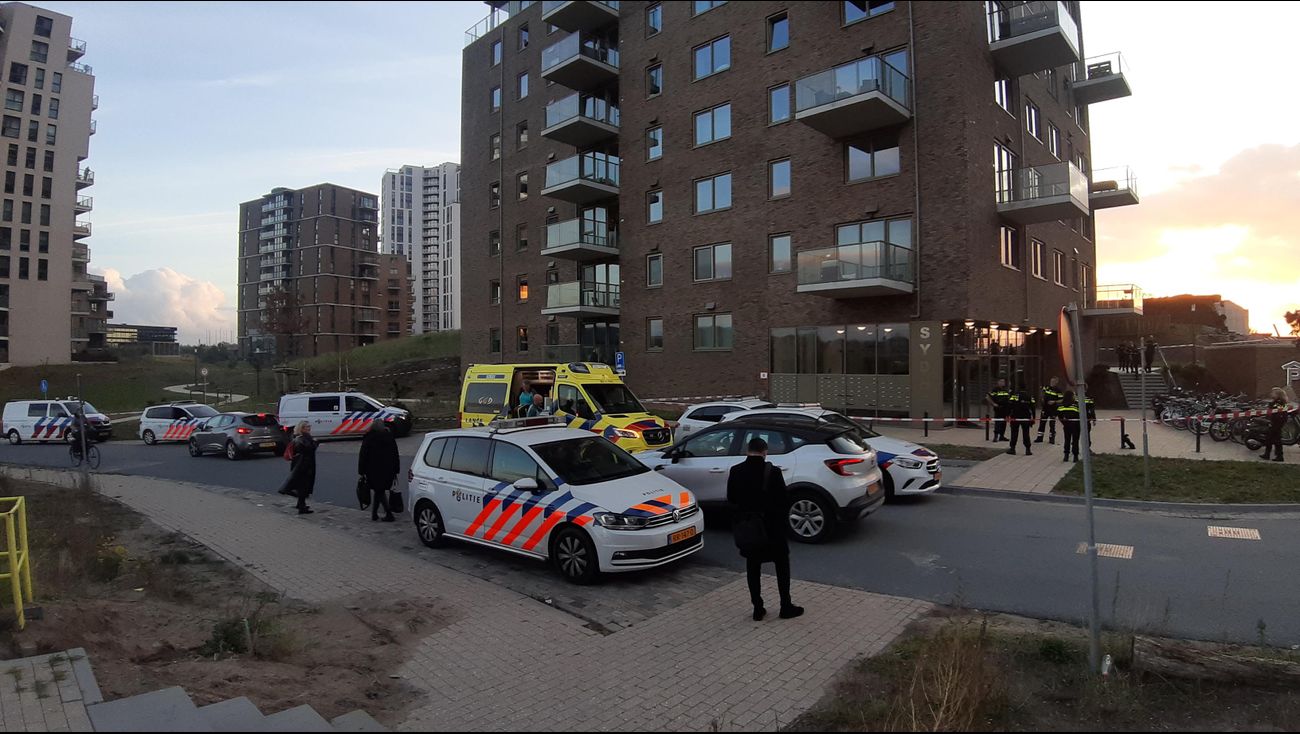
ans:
(909, 468)
(538, 489)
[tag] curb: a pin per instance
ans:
(1135, 505)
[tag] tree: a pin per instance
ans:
(284, 319)
(1293, 320)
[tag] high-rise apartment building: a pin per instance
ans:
(311, 278)
(880, 206)
(417, 224)
(51, 309)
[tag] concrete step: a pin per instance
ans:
(356, 721)
(169, 709)
(298, 718)
(235, 714)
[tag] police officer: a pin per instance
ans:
(999, 400)
(1051, 401)
(1068, 414)
(1278, 407)
(1022, 420)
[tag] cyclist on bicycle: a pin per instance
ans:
(75, 432)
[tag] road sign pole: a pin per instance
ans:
(82, 425)
(1094, 623)
(1146, 445)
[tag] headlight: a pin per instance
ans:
(617, 521)
(907, 463)
(625, 433)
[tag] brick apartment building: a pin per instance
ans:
(311, 278)
(878, 206)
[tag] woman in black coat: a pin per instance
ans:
(379, 464)
(302, 470)
(757, 491)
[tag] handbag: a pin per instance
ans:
(395, 501)
(363, 492)
(748, 528)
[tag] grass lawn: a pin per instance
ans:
(964, 453)
(1188, 480)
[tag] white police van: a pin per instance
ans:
(173, 422)
(41, 421)
(340, 414)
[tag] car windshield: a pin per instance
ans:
(610, 399)
(588, 460)
(72, 408)
(202, 411)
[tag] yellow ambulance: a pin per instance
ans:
(589, 395)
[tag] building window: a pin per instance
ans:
(17, 73)
(54, 108)
(713, 262)
(25, 240)
(1053, 84)
(494, 292)
(521, 288)
(655, 207)
(713, 193)
(713, 125)
(713, 57)
(33, 131)
(521, 135)
(42, 269)
(494, 143)
(494, 243)
(40, 52)
(654, 19)
(49, 161)
(1081, 117)
(523, 85)
(494, 195)
(47, 187)
(496, 52)
(523, 37)
(6, 237)
(56, 86)
(521, 237)
(14, 100)
(1002, 94)
(10, 177)
(44, 26)
(26, 216)
(36, 104)
(521, 337)
(494, 341)
(31, 159)
(1004, 167)
(856, 10)
(654, 270)
(51, 134)
(778, 104)
(1085, 282)
(1032, 121)
(1058, 267)
(40, 78)
(1054, 140)
(713, 332)
(8, 214)
(780, 253)
(654, 80)
(654, 335)
(29, 184)
(43, 242)
(1036, 250)
(704, 6)
(654, 141)
(23, 269)
(496, 99)
(552, 334)
(778, 32)
(45, 215)
(873, 159)
(778, 179)
(521, 185)
(552, 277)
(1009, 239)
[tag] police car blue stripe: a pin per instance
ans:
(579, 511)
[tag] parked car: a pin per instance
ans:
(698, 417)
(830, 471)
(909, 468)
(174, 421)
(341, 414)
(538, 489)
(41, 421)
(239, 434)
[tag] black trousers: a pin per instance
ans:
(754, 572)
(1049, 419)
(999, 425)
(303, 494)
(1071, 442)
(379, 498)
(1273, 440)
(1020, 427)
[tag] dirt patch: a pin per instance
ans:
(965, 672)
(154, 609)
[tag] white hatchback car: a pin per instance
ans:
(698, 417)
(830, 473)
(909, 468)
(541, 490)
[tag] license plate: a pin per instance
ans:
(938, 476)
(681, 535)
(268, 445)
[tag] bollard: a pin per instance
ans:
(1122, 432)
(926, 424)
(1198, 439)
(986, 425)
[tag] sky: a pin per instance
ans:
(206, 105)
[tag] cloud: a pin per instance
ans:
(165, 297)
(1235, 232)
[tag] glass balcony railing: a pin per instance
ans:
(86, 176)
(486, 26)
(580, 232)
(76, 45)
(85, 203)
(549, 6)
(579, 294)
(600, 168)
(276, 219)
(270, 234)
(1118, 297)
(275, 204)
(860, 261)
(1041, 182)
(581, 105)
(1007, 22)
(83, 68)
(574, 46)
(1103, 66)
(1118, 178)
(81, 227)
(863, 76)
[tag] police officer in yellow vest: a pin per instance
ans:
(1068, 414)
(1052, 396)
(1022, 420)
(999, 400)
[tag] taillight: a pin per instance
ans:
(841, 466)
(410, 475)
(243, 431)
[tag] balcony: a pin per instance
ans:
(579, 298)
(1116, 300)
(1042, 193)
(266, 289)
(368, 315)
(581, 121)
(80, 229)
(94, 126)
(583, 179)
(579, 16)
(266, 248)
(94, 102)
(494, 18)
(274, 262)
(270, 234)
(76, 49)
(1103, 80)
(1033, 36)
(83, 68)
(580, 239)
(1113, 187)
(84, 204)
(85, 177)
(274, 275)
(580, 64)
(854, 98)
(274, 204)
(274, 219)
(857, 270)
(80, 253)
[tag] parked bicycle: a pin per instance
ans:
(1218, 416)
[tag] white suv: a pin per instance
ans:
(830, 472)
(535, 488)
(698, 417)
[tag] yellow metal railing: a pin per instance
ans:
(19, 567)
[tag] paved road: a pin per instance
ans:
(1014, 556)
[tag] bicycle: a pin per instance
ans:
(92, 455)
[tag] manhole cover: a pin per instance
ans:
(1236, 533)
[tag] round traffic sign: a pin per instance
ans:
(204, 372)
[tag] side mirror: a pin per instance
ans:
(676, 454)
(528, 484)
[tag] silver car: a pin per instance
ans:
(239, 434)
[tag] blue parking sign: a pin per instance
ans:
(620, 364)
(45, 387)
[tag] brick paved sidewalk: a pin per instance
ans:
(508, 661)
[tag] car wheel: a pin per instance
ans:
(232, 451)
(889, 485)
(194, 448)
(574, 556)
(811, 518)
(15, 438)
(428, 524)
(150, 439)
